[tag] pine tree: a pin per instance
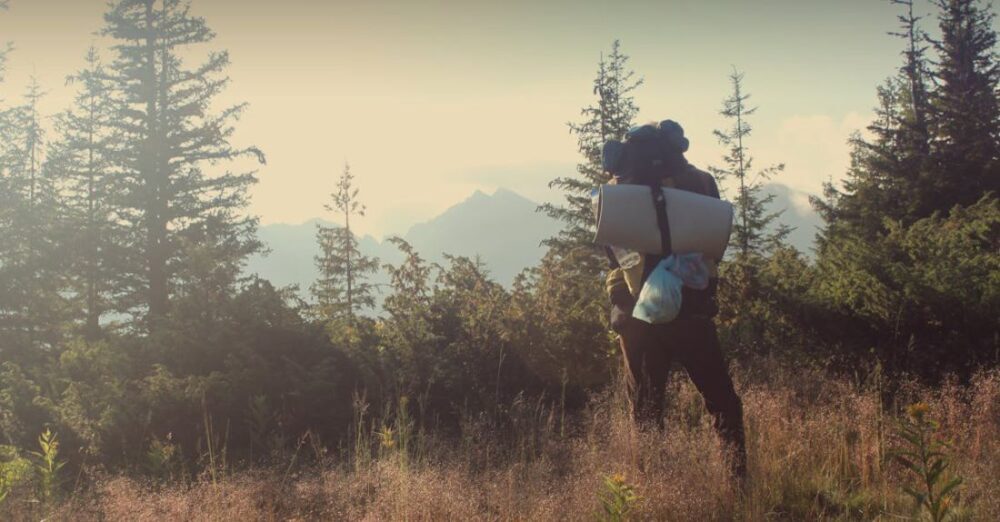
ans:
(30, 303)
(163, 109)
(343, 290)
(914, 73)
(877, 181)
(932, 158)
(610, 118)
(754, 228)
(81, 160)
(744, 292)
(892, 175)
(935, 145)
(966, 108)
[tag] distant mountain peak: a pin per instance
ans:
(503, 228)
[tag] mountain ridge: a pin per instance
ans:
(504, 229)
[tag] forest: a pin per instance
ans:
(144, 375)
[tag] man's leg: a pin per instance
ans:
(701, 356)
(646, 368)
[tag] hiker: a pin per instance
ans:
(654, 155)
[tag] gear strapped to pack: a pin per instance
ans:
(647, 155)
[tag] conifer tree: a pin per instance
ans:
(81, 161)
(914, 75)
(343, 289)
(30, 303)
(873, 189)
(609, 118)
(745, 292)
(892, 175)
(966, 108)
(754, 231)
(164, 110)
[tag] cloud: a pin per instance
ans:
(815, 148)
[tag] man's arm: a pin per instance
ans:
(621, 299)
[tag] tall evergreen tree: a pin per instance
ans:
(609, 118)
(81, 160)
(916, 186)
(164, 111)
(30, 303)
(343, 289)
(755, 231)
(891, 174)
(915, 73)
(744, 291)
(966, 107)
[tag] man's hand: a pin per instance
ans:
(622, 303)
(619, 318)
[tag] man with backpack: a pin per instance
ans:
(653, 155)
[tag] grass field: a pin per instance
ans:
(819, 449)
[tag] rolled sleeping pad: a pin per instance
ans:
(626, 218)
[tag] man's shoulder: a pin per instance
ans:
(697, 180)
(701, 174)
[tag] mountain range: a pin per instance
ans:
(502, 228)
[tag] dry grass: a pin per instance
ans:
(817, 451)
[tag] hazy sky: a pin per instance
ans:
(432, 100)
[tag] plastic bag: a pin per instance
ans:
(691, 268)
(660, 298)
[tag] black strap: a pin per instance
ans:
(612, 260)
(660, 203)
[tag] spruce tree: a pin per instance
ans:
(915, 75)
(966, 108)
(81, 161)
(744, 293)
(754, 230)
(30, 303)
(875, 187)
(163, 109)
(609, 118)
(892, 175)
(343, 289)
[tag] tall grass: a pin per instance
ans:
(819, 449)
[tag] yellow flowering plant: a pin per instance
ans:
(922, 452)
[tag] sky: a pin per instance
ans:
(430, 101)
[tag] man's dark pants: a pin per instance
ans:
(649, 351)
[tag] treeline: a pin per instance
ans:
(128, 327)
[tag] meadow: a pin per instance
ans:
(819, 448)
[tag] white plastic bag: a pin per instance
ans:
(660, 298)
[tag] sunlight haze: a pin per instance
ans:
(429, 102)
